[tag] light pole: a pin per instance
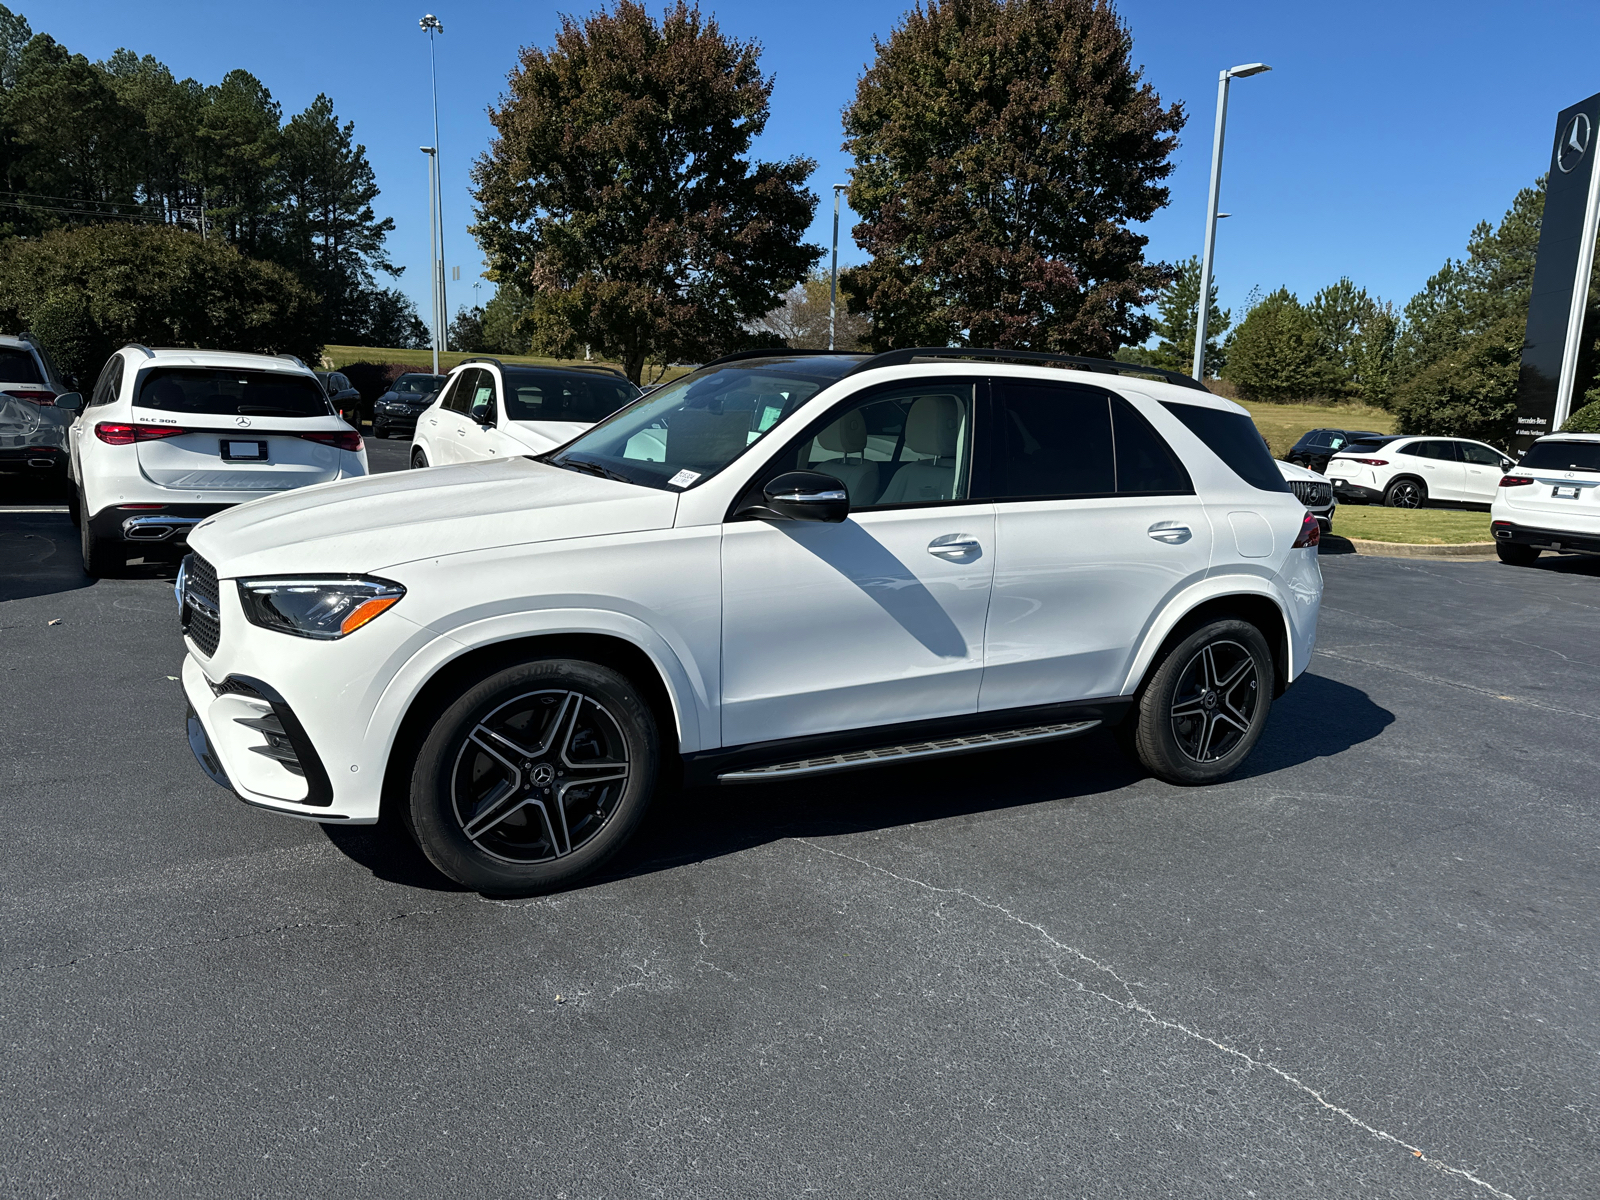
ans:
(1239, 72)
(433, 251)
(432, 25)
(833, 278)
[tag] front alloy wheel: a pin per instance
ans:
(1205, 705)
(534, 777)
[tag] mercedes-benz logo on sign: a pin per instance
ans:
(242, 422)
(1574, 141)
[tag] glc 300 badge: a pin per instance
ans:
(1574, 141)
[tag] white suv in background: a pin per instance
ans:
(1408, 472)
(169, 437)
(779, 566)
(488, 409)
(1550, 500)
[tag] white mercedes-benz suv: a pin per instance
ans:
(488, 409)
(1550, 500)
(169, 437)
(781, 565)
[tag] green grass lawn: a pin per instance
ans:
(343, 356)
(1284, 423)
(1417, 526)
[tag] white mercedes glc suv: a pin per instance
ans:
(169, 437)
(1550, 500)
(779, 566)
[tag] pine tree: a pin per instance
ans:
(1178, 306)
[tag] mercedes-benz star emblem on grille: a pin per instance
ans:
(242, 422)
(1574, 141)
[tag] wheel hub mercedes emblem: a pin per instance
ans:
(1209, 699)
(1573, 142)
(543, 775)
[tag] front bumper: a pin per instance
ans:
(1545, 539)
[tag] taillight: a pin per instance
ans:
(1310, 533)
(1515, 480)
(1372, 462)
(37, 397)
(339, 441)
(115, 434)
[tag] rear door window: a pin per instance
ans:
(459, 393)
(1234, 438)
(109, 386)
(216, 392)
(1479, 456)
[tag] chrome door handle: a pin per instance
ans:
(461, 433)
(1171, 534)
(959, 546)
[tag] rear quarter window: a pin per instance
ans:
(1234, 439)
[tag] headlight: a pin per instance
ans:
(325, 608)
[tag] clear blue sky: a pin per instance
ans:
(1385, 132)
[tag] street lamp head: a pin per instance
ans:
(431, 23)
(1247, 69)
(426, 149)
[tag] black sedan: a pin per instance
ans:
(395, 412)
(1315, 448)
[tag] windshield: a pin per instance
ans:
(227, 392)
(17, 366)
(692, 428)
(1562, 456)
(555, 396)
(417, 385)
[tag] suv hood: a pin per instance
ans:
(540, 436)
(364, 525)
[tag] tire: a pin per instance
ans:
(380, 430)
(419, 460)
(488, 805)
(100, 555)
(1515, 554)
(1220, 676)
(74, 506)
(1406, 493)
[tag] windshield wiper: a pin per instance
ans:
(589, 468)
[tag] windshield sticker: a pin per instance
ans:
(684, 478)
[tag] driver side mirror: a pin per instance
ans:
(803, 496)
(483, 414)
(70, 402)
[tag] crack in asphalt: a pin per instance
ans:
(1466, 687)
(1134, 1005)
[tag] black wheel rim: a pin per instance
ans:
(1215, 701)
(539, 777)
(1406, 495)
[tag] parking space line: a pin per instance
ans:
(33, 508)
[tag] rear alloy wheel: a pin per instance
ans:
(1516, 554)
(534, 777)
(379, 429)
(100, 555)
(1405, 493)
(418, 460)
(1206, 704)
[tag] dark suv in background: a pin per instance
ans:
(396, 410)
(1314, 449)
(346, 400)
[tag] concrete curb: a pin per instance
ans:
(1332, 543)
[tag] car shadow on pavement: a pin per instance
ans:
(39, 553)
(1317, 718)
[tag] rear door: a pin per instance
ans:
(1096, 524)
(1433, 462)
(444, 425)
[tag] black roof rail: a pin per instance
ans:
(543, 366)
(900, 358)
(148, 353)
(292, 358)
(482, 358)
(770, 352)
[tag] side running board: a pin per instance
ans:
(893, 754)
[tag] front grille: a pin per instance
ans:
(1311, 493)
(202, 610)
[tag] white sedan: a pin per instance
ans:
(489, 409)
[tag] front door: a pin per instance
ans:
(876, 620)
(1440, 469)
(1096, 524)
(1482, 466)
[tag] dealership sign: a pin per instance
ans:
(1560, 276)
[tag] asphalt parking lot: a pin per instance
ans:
(1363, 967)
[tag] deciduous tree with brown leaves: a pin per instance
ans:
(619, 196)
(1003, 148)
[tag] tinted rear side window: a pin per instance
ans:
(1368, 445)
(226, 393)
(1145, 464)
(1563, 456)
(1234, 439)
(17, 366)
(545, 396)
